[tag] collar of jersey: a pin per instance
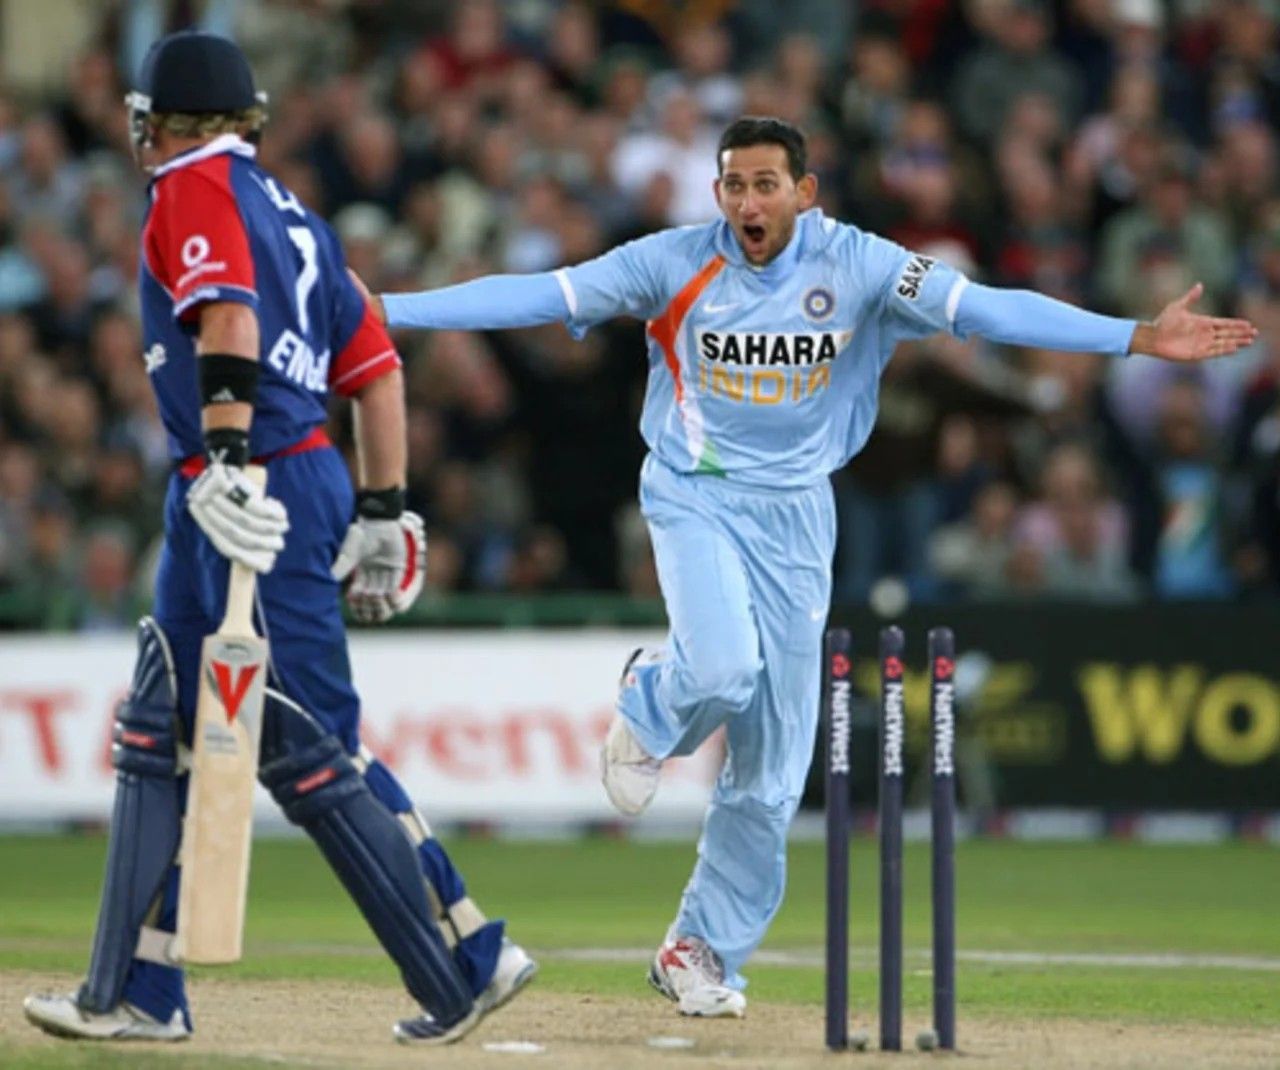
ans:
(809, 224)
(222, 143)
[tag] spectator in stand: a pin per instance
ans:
(1017, 60)
(1246, 37)
(972, 555)
(64, 317)
(1076, 534)
(74, 430)
(1166, 231)
(763, 23)
(1114, 153)
(703, 54)
(40, 591)
(891, 496)
(1039, 248)
(1193, 553)
(876, 88)
(882, 180)
(101, 598)
(573, 56)
(369, 166)
(20, 479)
(1244, 165)
(474, 55)
(46, 181)
(88, 112)
(684, 148)
(21, 281)
(926, 187)
(1255, 451)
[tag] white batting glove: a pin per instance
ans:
(386, 560)
(243, 524)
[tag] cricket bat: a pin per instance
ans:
(217, 828)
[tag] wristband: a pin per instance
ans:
(227, 445)
(380, 504)
(225, 377)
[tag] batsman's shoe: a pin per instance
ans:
(425, 1030)
(690, 974)
(629, 773)
(515, 970)
(61, 1016)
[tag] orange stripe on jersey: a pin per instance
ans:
(664, 329)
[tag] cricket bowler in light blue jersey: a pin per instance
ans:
(767, 334)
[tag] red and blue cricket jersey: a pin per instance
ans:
(220, 228)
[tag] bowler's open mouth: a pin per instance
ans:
(754, 233)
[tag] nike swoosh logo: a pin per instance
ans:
(709, 307)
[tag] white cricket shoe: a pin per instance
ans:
(515, 969)
(629, 773)
(690, 974)
(61, 1016)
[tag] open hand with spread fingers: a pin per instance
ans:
(1178, 333)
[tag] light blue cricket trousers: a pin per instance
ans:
(746, 575)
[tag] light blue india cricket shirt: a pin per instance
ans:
(768, 376)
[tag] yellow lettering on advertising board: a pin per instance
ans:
(1150, 713)
(1254, 735)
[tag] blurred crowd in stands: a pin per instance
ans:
(1107, 152)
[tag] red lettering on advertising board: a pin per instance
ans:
(517, 728)
(451, 746)
(463, 744)
(42, 707)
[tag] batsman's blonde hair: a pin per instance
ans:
(180, 124)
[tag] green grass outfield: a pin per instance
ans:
(1219, 906)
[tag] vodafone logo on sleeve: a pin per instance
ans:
(195, 258)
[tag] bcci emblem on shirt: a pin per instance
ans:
(818, 304)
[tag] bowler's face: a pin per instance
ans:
(760, 198)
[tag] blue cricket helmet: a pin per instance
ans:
(191, 73)
(195, 73)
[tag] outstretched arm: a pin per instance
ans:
(626, 281)
(1021, 317)
(484, 304)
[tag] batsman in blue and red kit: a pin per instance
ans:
(248, 314)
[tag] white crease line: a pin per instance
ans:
(1158, 960)
(1153, 960)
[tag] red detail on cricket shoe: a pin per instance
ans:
(138, 739)
(669, 957)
